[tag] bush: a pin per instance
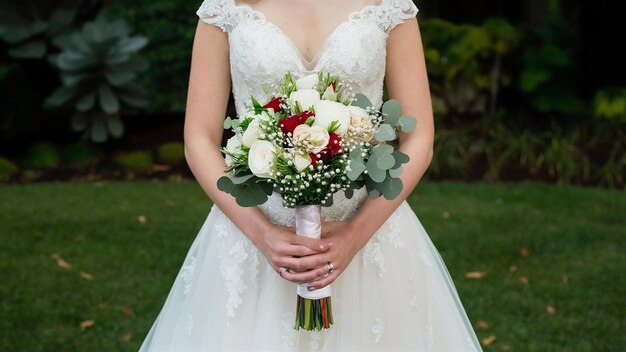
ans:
(138, 160)
(42, 156)
(171, 153)
(7, 168)
(81, 154)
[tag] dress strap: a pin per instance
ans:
(394, 12)
(219, 13)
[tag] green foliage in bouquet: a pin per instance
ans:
(98, 68)
(381, 171)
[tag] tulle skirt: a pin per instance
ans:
(396, 295)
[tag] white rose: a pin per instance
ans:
(327, 111)
(252, 134)
(233, 145)
(262, 159)
(311, 139)
(307, 82)
(306, 98)
(361, 123)
(301, 161)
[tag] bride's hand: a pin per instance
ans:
(283, 249)
(346, 243)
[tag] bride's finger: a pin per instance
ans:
(312, 243)
(304, 263)
(324, 281)
(300, 251)
(305, 276)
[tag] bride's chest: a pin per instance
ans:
(356, 49)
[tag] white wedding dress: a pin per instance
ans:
(396, 294)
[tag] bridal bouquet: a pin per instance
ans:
(313, 138)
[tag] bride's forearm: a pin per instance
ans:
(207, 164)
(374, 212)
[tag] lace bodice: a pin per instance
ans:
(261, 53)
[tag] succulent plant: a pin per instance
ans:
(98, 66)
(29, 27)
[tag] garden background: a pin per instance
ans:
(524, 197)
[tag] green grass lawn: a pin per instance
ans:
(552, 257)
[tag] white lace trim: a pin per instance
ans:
(378, 330)
(226, 14)
(187, 273)
(233, 277)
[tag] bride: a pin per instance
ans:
(391, 289)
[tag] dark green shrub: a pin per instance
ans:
(81, 154)
(42, 156)
(171, 153)
(610, 104)
(465, 62)
(549, 61)
(7, 168)
(138, 160)
(171, 26)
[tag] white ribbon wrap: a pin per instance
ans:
(309, 224)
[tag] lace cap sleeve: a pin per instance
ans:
(217, 12)
(395, 12)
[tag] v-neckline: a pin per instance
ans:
(303, 62)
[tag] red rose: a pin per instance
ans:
(334, 144)
(290, 123)
(313, 159)
(274, 104)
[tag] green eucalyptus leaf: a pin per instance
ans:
(356, 169)
(374, 189)
(349, 193)
(249, 194)
(392, 187)
(361, 101)
(241, 179)
(375, 173)
(400, 158)
(395, 173)
(386, 162)
(224, 184)
(228, 123)
(267, 187)
(385, 133)
(357, 166)
(382, 149)
(407, 123)
(392, 111)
